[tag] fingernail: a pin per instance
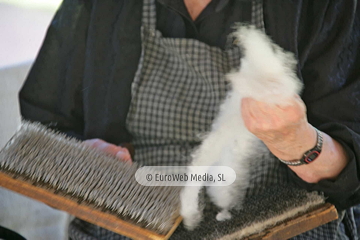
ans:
(123, 155)
(102, 145)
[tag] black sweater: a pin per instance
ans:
(80, 82)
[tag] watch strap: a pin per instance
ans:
(310, 155)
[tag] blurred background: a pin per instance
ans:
(23, 25)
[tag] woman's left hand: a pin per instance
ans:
(121, 153)
(288, 135)
(284, 129)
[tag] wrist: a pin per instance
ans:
(293, 147)
(332, 160)
(310, 155)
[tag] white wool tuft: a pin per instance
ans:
(267, 74)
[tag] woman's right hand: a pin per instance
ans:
(119, 152)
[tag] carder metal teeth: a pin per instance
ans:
(86, 175)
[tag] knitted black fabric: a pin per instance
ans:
(7, 234)
(92, 50)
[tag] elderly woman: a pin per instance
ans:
(131, 71)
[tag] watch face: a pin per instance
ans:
(311, 156)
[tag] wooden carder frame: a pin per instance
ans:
(285, 230)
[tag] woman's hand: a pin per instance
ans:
(120, 152)
(288, 135)
(284, 130)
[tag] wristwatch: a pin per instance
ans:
(310, 155)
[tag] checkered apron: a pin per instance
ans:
(176, 94)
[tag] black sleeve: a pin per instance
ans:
(52, 93)
(330, 68)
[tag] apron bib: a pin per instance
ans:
(177, 90)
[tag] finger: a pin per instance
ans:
(119, 152)
(124, 154)
(246, 107)
(246, 114)
(301, 102)
(262, 115)
(93, 142)
(292, 113)
(291, 102)
(108, 148)
(262, 110)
